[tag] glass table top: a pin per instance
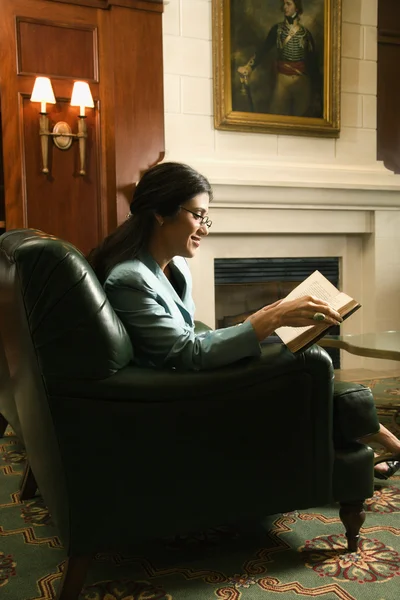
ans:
(384, 344)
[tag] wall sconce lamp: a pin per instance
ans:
(43, 92)
(62, 134)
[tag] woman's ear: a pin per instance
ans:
(159, 219)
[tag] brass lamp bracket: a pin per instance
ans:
(63, 137)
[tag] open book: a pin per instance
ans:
(299, 338)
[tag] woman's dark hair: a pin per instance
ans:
(161, 190)
(299, 6)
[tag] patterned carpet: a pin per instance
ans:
(289, 556)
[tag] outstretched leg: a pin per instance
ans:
(388, 440)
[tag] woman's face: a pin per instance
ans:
(289, 8)
(182, 234)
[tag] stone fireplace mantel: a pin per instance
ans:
(301, 194)
(360, 225)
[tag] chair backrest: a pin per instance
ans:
(56, 325)
(65, 308)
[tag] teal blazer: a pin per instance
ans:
(160, 322)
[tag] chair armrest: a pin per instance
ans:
(134, 383)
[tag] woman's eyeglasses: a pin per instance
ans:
(201, 220)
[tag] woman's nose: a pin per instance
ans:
(203, 229)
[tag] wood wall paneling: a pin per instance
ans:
(388, 120)
(12, 166)
(152, 5)
(19, 150)
(388, 99)
(56, 49)
(108, 177)
(2, 207)
(139, 121)
(122, 50)
(389, 15)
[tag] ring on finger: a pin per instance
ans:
(318, 316)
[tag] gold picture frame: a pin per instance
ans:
(275, 94)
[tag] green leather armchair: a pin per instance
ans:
(123, 454)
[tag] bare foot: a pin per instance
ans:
(383, 467)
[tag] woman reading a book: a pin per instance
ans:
(142, 266)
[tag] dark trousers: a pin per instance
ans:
(354, 411)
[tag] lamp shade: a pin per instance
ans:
(43, 91)
(81, 95)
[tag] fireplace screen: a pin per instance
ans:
(244, 285)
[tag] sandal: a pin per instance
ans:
(385, 457)
(393, 466)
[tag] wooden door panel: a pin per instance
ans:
(388, 96)
(41, 37)
(56, 49)
(388, 120)
(139, 125)
(116, 45)
(2, 206)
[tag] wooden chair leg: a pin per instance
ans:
(352, 515)
(28, 484)
(3, 425)
(73, 578)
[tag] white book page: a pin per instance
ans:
(287, 334)
(340, 300)
(315, 285)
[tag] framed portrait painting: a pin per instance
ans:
(277, 66)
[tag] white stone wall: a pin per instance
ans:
(190, 134)
(278, 195)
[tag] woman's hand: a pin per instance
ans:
(292, 313)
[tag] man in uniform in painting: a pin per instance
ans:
(297, 87)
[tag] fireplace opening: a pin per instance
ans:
(244, 285)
